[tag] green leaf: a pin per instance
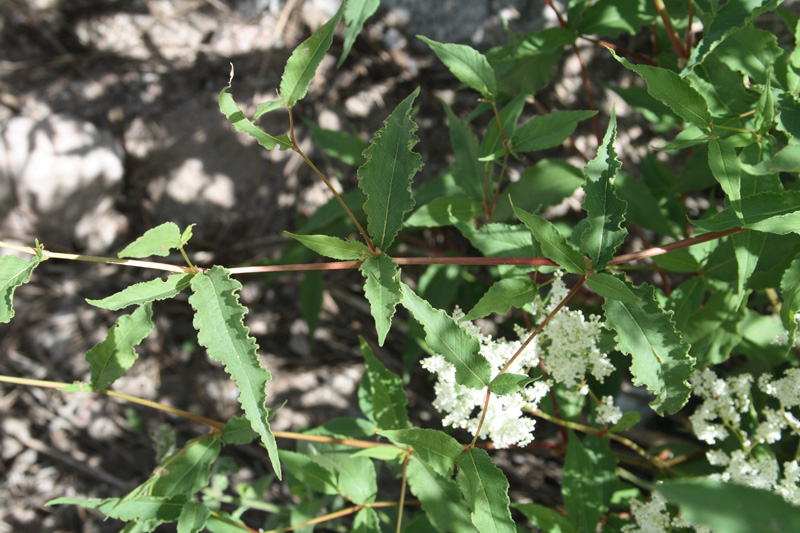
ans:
(747, 247)
(356, 14)
(228, 107)
(445, 337)
(509, 116)
(467, 169)
(730, 16)
(610, 287)
(508, 383)
(713, 331)
(156, 241)
(338, 144)
(628, 420)
(332, 247)
(386, 395)
(382, 453)
(193, 517)
(643, 208)
(266, 107)
(382, 289)
(589, 481)
(765, 111)
(660, 117)
(436, 449)
(547, 131)
(306, 469)
(438, 212)
(303, 63)
(685, 301)
(13, 273)
(554, 244)
(730, 507)
(115, 354)
(485, 488)
(439, 497)
(467, 64)
(546, 183)
(366, 520)
(789, 118)
(545, 518)
(661, 360)
(238, 430)
(139, 508)
(724, 165)
(386, 176)
(770, 212)
(786, 160)
(610, 18)
(504, 294)
(790, 294)
(672, 90)
(499, 240)
(188, 470)
(145, 292)
(604, 210)
(218, 320)
(186, 236)
(355, 476)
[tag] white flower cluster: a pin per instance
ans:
(725, 401)
(568, 347)
(783, 338)
(652, 516)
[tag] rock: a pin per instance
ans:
(58, 178)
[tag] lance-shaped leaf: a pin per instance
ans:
(661, 359)
(604, 210)
(218, 319)
(436, 449)
(193, 518)
(303, 63)
(366, 520)
(157, 509)
(189, 469)
(730, 507)
(156, 241)
(610, 287)
(386, 176)
(485, 488)
(554, 244)
(115, 354)
(545, 518)
(547, 131)
(509, 383)
(356, 14)
(13, 273)
(332, 247)
(381, 393)
(790, 293)
(228, 107)
(589, 481)
(304, 468)
(468, 171)
(439, 497)
(728, 18)
(504, 294)
(747, 246)
(466, 64)
(145, 292)
(382, 289)
(724, 164)
(445, 337)
(674, 91)
(770, 212)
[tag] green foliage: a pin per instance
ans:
(13, 273)
(356, 13)
(156, 241)
(589, 481)
(468, 65)
(145, 292)
(382, 289)
(386, 175)
(486, 490)
(384, 400)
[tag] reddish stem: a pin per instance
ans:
(624, 51)
(677, 45)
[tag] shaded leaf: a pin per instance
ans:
(189, 469)
(589, 481)
(332, 247)
(713, 330)
(439, 497)
(438, 212)
(485, 488)
(386, 176)
(382, 289)
(436, 449)
(466, 64)
(13, 273)
(218, 320)
(546, 183)
(660, 356)
(502, 295)
(747, 248)
(145, 292)
(193, 517)
(610, 18)
(238, 430)
(468, 171)
(770, 212)
(385, 393)
(115, 354)
(672, 90)
(790, 294)
(545, 518)
(547, 131)
(156, 241)
(320, 478)
(338, 144)
(554, 244)
(366, 520)
(228, 107)
(356, 13)
(509, 383)
(302, 64)
(604, 210)
(724, 165)
(610, 287)
(445, 337)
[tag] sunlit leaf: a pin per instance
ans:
(160, 241)
(547, 131)
(145, 292)
(356, 13)
(382, 289)
(466, 64)
(332, 247)
(13, 273)
(554, 244)
(485, 488)
(384, 392)
(502, 295)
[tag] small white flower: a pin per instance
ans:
(607, 412)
